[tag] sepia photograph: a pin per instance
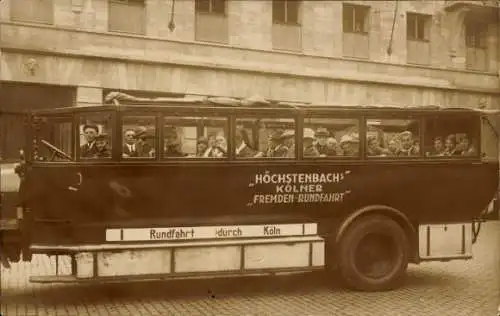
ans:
(249, 158)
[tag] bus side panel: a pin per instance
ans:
(68, 212)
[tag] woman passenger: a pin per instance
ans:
(466, 148)
(407, 145)
(309, 149)
(438, 149)
(349, 145)
(201, 146)
(374, 148)
(450, 146)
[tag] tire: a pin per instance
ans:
(364, 245)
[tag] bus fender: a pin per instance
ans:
(391, 212)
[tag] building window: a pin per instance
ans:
(286, 11)
(476, 34)
(476, 43)
(127, 16)
(417, 26)
(211, 6)
(39, 11)
(211, 22)
(355, 18)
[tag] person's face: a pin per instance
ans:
(464, 144)
(448, 144)
(373, 144)
(129, 137)
(393, 146)
(238, 138)
(331, 143)
(220, 141)
(101, 143)
(406, 141)
(217, 152)
(322, 140)
(170, 139)
(211, 141)
(90, 134)
(347, 148)
(202, 147)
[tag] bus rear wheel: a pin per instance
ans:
(373, 254)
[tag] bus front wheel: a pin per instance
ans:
(373, 254)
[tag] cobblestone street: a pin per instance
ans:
(453, 288)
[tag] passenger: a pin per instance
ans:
(201, 146)
(88, 150)
(393, 147)
(321, 135)
(220, 141)
(101, 143)
(349, 145)
(416, 146)
(243, 148)
(289, 141)
(219, 152)
(374, 149)
(466, 148)
(438, 149)
(406, 145)
(129, 149)
(331, 147)
(309, 150)
(211, 146)
(278, 148)
(450, 146)
(143, 148)
(172, 144)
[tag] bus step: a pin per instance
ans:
(191, 259)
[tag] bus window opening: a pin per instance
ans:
(195, 137)
(396, 138)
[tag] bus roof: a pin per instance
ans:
(117, 101)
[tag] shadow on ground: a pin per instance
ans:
(211, 288)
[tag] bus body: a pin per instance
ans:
(189, 214)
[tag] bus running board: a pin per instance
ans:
(193, 259)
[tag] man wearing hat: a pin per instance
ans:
(289, 141)
(321, 135)
(144, 149)
(349, 145)
(277, 148)
(129, 148)
(172, 143)
(101, 145)
(89, 149)
(309, 150)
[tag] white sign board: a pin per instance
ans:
(209, 232)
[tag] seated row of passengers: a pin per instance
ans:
(319, 143)
(281, 145)
(452, 147)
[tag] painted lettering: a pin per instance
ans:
(226, 232)
(271, 230)
(320, 197)
(172, 233)
(273, 198)
(299, 178)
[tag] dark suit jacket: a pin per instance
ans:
(87, 151)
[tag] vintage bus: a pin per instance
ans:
(140, 189)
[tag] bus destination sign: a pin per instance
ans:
(210, 232)
(288, 188)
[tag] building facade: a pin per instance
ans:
(71, 52)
